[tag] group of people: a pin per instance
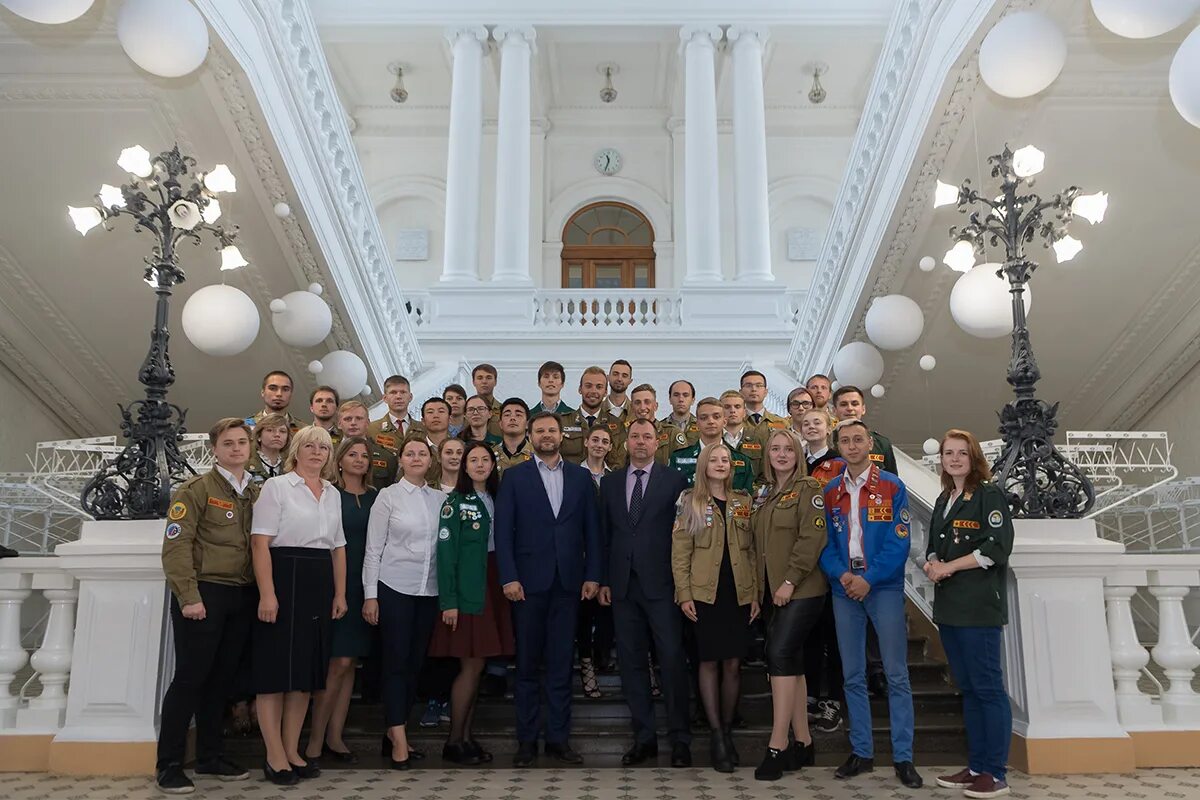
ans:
(490, 530)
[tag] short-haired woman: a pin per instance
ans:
(476, 618)
(400, 585)
(298, 549)
(970, 540)
(271, 439)
(717, 587)
(789, 532)
(352, 637)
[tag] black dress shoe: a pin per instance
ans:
(222, 769)
(877, 684)
(476, 749)
(399, 765)
(771, 768)
(681, 755)
(309, 770)
(342, 756)
(719, 753)
(799, 756)
(459, 753)
(416, 753)
(908, 774)
(282, 777)
(526, 754)
(733, 753)
(564, 753)
(639, 753)
(173, 780)
(854, 765)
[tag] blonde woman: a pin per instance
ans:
(789, 534)
(716, 573)
(819, 459)
(298, 550)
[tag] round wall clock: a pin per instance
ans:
(608, 161)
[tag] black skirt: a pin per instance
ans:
(292, 653)
(723, 627)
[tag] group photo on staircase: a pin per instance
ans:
(678, 398)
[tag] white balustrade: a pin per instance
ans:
(1174, 650)
(1129, 658)
(612, 310)
(51, 662)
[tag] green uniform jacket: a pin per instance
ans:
(207, 537)
(696, 557)
(789, 534)
(977, 521)
(575, 429)
(384, 466)
(753, 446)
(560, 409)
(685, 458)
(462, 553)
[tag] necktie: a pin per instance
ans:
(757, 418)
(591, 418)
(635, 499)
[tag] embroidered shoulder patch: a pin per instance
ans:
(447, 512)
(995, 519)
(902, 531)
(904, 516)
(177, 511)
(444, 534)
(819, 522)
(173, 530)
(681, 439)
(818, 502)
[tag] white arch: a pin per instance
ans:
(403, 186)
(599, 189)
(785, 190)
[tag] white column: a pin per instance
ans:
(1174, 651)
(14, 588)
(513, 165)
(750, 156)
(701, 202)
(461, 249)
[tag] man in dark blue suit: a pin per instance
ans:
(637, 514)
(549, 558)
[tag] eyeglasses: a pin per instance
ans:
(799, 404)
(476, 410)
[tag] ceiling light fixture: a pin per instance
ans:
(399, 93)
(817, 94)
(608, 93)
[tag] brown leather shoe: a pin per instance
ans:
(963, 779)
(985, 786)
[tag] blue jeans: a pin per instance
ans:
(975, 662)
(885, 609)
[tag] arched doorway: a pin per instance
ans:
(608, 245)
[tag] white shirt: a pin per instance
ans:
(288, 512)
(617, 410)
(402, 540)
(734, 441)
(813, 456)
(853, 488)
(239, 487)
(400, 424)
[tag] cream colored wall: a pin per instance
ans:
(24, 421)
(1176, 413)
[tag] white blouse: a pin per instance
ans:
(402, 540)
(288, 512)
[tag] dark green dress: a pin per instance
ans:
(351, 633)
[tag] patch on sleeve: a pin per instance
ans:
(177, 511)
(995, 519)
(447, 512)
(819, 522)
(444, 534)
(819, 502)
(904, 516)
(173, 530)
(902, 531)
(681, 439)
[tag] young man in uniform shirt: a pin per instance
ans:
(206, 560)
(435, 421)
(277, 396)
(867, 519)
(620, 375)
(352, 421)
(643, 404)
(323, 403)
(738, 435)
(397, 424)
(682, 393)
(848, 404)
(551, 377)
(483, 378)
(754, 392)
(710, 421)
(514, 447)
(576, 425)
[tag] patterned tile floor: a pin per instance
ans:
(601, 784)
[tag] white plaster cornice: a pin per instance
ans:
(276, 44)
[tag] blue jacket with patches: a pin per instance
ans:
(884, 516)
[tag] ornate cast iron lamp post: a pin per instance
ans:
(1039, 481)
(173, 202)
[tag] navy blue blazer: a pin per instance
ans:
(647, 544)
(532, 544)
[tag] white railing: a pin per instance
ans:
(1154, 665)
(615, 308)
(418, 307)
(923, 490)
(1165, 519)
(22, 710)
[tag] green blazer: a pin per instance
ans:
(977, 521)
(462, 553)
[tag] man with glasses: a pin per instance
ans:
(799, 400)
(754, 392)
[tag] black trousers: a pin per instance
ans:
(822, 659)
(405, 623)
(594, 633)
(208, 653)
(632, 617)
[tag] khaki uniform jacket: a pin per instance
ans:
(384, 434)
(504, 460)
(261, 471)
(789, 534)
(494, 421)
(575, 430)
(293, 423)
(691, 431)
(696, 557)
(207, 537)
(670, 439)
(753, 446)
(384, 466)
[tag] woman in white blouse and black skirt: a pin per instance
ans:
(298, 551)
(400, 585)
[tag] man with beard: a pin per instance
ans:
(579, 423)
(277, 396)
(620, 375)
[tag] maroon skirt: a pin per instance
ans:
(483, 635)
